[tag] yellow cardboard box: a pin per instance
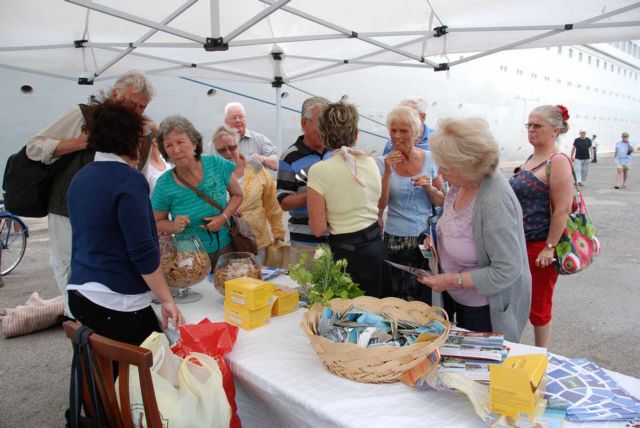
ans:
(287, 302)
(249, 293)
(246, 318)
(517, 386)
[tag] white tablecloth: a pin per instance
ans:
(281, 382)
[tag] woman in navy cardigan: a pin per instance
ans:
(115, 258)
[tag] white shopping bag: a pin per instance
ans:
(188, 394)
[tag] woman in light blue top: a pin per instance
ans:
(180, 143)
(623, 160)
(410, 186)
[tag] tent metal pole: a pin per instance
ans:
(355, 61)
(138, 20)
(142, 45)
(259, 17)
(215, 18)
(235, 73)
(145, 37)
(41, 73)
(269, 41)
(277, 54)
(548, 34)
(349, 32)
(278, 124)
(36, 48)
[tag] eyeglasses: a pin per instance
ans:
(228, 148)
(533, 125)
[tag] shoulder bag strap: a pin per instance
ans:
(573, 172)
(198, 192)
(144, 153)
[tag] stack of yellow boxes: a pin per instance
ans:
(248, 302)
(517, 386)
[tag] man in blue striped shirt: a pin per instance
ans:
(292, 172)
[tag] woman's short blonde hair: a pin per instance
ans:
(338, 125)
(225, 131)
(406, 115)
(466, 143)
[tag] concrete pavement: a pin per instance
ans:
(595, 312)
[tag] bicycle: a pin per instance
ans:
(13, 238)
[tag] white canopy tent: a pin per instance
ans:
(287, 41)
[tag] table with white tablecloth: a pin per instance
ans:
(281, 382)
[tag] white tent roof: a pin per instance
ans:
(315, 37)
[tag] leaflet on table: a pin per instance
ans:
(474, 345)
(590, 393)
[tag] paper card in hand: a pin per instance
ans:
(413, 271)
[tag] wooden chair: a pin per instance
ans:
(107, 352)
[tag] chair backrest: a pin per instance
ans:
(107, 352)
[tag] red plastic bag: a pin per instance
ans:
(215, 339)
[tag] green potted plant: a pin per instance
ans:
(325, 279)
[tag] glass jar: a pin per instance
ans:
(184, 260)
(235, 265)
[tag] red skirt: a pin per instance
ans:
(543, 282)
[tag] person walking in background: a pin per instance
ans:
(580, 155)
(537, 193)
(624, 149)
(343, 197)
(410, 185)
(252, 144)
(594, 145)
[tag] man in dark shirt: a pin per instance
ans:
(292, 173)
(580, 155)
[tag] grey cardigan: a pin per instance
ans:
(503, 276)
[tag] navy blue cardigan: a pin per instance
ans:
(114, 236)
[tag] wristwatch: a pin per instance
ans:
(550, 246)
(460, 280)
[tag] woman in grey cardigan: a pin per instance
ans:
(480, 238)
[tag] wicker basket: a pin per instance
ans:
(382, 364)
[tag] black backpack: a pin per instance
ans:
(27, 183)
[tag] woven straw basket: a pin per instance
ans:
(382, 364)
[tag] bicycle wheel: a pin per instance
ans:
(14, 242)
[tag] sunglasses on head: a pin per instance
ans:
(228, 148)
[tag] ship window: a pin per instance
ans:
(597, 63)
(589, 59)
(580, 56)
(559, 49)
(570, 53)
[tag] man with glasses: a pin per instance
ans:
(252, 144)
(581, 155)
(66, 136)
(292, 173)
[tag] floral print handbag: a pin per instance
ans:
(578, 246)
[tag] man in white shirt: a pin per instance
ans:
(252, 144)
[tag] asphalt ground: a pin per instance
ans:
(595, 313)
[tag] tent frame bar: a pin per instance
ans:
(138, 20)
(253, 21)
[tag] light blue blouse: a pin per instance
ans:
(409, 207)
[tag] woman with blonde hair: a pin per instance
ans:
(343, 196)
(410, 191)
(259, 208)
(480, 240)
(543, 181)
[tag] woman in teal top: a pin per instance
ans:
(181, 144)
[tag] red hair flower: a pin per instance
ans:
(565, 112)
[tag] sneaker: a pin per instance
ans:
(624, 186)
(616, 187)
(580, 183)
